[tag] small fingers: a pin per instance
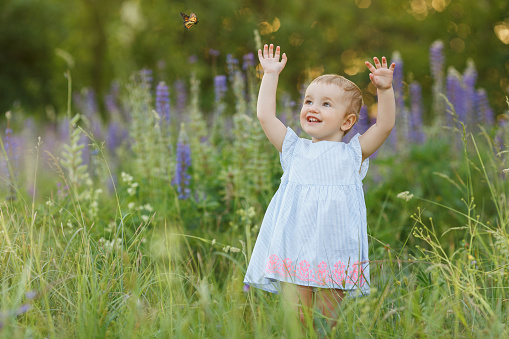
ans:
(384, 62)
(370, 66)
(377, 62)
(278, 50)
(268, 52)
(284, 59)
(392, 67)
(265, 51)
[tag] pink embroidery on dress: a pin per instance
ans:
(341, 275)
(339, 272)
(287, 267)
(303, 270)
(322, 271)
(272, 264)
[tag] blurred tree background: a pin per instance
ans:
(104, 41)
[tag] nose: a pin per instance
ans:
(313, 108)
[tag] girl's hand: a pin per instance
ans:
(380, 75)
(270, 61)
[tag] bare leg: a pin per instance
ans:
(328, 301)
(301, 299)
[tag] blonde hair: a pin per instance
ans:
(352, 92)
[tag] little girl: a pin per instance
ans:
(313, 238)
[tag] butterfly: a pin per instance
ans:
(189, 20)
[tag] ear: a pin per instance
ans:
(348, 122)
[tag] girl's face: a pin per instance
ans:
(323, 115)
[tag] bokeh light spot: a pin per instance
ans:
(363, 3)
(440, 5)
(267, 28)
(457, 45)
(315, 72)
(502, 32)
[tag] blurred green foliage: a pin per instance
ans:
(109, 40)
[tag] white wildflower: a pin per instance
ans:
(505, 171)
(131, 205)
(234, 249)
(226, 249)
(131, 191)
(126, 177)
(148, 208)
(49, 203)
(144, 218)
(213, 242)
(405, 196)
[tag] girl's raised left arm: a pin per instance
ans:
(381, 77)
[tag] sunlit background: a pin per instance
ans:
(106, 41)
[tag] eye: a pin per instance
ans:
(326, 104)
(308, 102)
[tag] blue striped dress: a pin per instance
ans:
(314, 232)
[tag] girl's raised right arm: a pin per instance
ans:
(274, 129)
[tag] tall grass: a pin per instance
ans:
(102, 244)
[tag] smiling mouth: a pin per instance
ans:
(312, 119)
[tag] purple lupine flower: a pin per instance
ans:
(180, 89)
(364, 121)
(220, 87)
(213, 52)
(192, 59)
(115, 135)
(416, 109)
(182, 177)
(86, 152)
(248, 61)
(485, 114)
(163, 101)
(455, 93)
(87, 103)
(90, 103)
(401, 111)
(111, 99)
(23, 309)
(397, 81)
(63, 129)
(437, 60)
(146, 77)
(469, 81)
(231, 64)
(246, 288)
(111, 104)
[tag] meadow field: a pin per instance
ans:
(142, 227)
